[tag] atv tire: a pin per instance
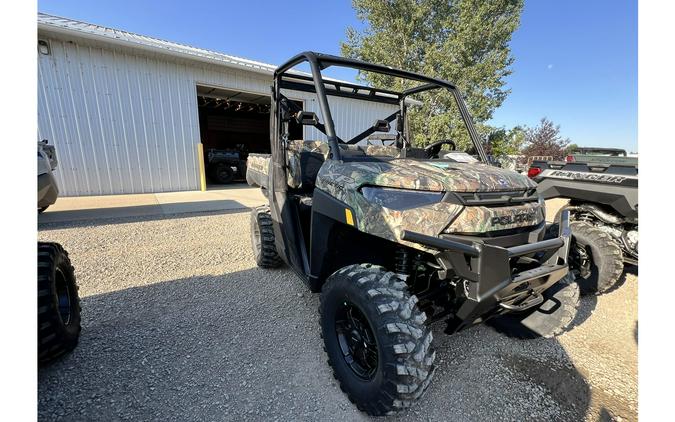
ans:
(220, 173)
(605, 259)
(58, 303)
(375, 339)
(552, 318)
(262, 238)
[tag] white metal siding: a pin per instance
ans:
(124, 121)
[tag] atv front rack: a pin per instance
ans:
(488, 270)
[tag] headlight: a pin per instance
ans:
(400, 199)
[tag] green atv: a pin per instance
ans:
(397, 237)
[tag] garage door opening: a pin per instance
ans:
(233, 124)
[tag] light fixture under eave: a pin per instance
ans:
(43, 47)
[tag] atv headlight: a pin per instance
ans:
(400, 199)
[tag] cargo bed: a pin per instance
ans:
(257, 170)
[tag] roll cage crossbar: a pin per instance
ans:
(283, 78)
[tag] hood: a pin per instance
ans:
(433, 175)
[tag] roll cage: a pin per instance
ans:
(284, 78)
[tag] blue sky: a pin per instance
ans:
(576, 61)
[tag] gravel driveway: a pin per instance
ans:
(179, 324)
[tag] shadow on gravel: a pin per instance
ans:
(86, 220)
(246, 345)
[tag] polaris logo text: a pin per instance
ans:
(505, 220)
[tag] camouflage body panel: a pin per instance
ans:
(257, 169)
(484, 219)
(307, 146)
(431, 175)
(343, 181)
(389, 224)
(381, 150)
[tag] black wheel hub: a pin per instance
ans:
(580, 260)
(223, 172)
(356, 340)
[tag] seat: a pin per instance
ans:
(305, 158)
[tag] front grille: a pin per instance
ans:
(487, 199)
(504, 238)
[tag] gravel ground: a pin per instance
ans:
(179, 324)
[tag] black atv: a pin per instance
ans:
(226, 165)
(603, 210)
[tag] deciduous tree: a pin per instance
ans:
(545, 140)
(463, 41)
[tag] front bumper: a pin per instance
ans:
(492, 284)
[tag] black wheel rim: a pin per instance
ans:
(223, 173)
(580, 259)
(356, 340)
(63, 297)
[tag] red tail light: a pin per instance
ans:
(533, 172)
(570, 159)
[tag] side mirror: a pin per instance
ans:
(306, 118)
(381, 126)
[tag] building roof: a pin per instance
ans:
(92, 31)
(115, 36)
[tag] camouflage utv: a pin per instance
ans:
(396, 238)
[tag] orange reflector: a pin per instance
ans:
(349, 217)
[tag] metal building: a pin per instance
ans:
(129, 113)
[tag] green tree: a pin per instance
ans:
(462, 41)
(570, 148)
(502, 141)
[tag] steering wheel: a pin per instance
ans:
(433, 149)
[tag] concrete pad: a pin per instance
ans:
(115, 206)
(96, 202)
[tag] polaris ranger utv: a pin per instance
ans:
(396, 238)
(603, 212)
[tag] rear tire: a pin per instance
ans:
(58, 303)
(600, 269)
(394, 366)
(262, 238)
(550, 319)
(220, 173)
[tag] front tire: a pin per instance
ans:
(552, 318)
(595, 257)
(375, 338)
(58, 303)
(220, 173)
(262, 238)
